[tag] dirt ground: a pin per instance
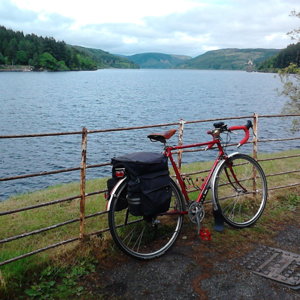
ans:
(194, 269)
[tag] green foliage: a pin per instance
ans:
(21, 57)
(107, 60)
(56, 282)
(290, 76)
(49, 54)
(158, 60)
(41, 53)
(293, 201)
(62, 66)
(287, 56)
(229, 59)
(284, 205)
(2, 59)
(86, 63)
(287, 64)
(47, 61)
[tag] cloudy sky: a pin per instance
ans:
(188, 27)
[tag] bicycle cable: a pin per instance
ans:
(226, 141)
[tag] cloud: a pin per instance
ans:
(199, 27)
(45, 24)
(231, 25)
(9, 13)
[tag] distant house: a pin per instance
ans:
(250, 66)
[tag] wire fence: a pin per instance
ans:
(83, 195)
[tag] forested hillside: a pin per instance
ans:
(283, 59)
(31, 52)
(107, 60)
(48, 54)
(158, 60)
(229, 59)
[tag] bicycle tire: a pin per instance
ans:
(142, 239)
(240, 190)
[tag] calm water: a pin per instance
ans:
(67, 101)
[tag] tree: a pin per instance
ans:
(295, 34)
(28, 47)
(62, 66)
(290, 77)
(34, 61)
(48, 62)
(42, 53)
(2, 59)
(86, 63)
(21, 57)
(12, 50)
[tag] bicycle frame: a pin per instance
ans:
(209, 145)
(235, 199)
(206, 184)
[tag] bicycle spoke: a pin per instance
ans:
(240, 192)
(142, 239)
(138, 241)
(130, 234)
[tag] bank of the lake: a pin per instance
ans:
(15, 68)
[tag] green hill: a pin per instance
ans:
(291, 54)
(31, 52)
(18, 50)
(107, 60)
(229, 59)
(158, 60)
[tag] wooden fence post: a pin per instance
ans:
(83, 181)
(180, 142)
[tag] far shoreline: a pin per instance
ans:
(28, 68)
(16, 68)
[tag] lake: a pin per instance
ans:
(44, 102)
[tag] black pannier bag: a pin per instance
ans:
(148, 192)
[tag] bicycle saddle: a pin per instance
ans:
(162, 137)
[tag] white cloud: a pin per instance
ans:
(272, 37)
(104, 11)
(188, 27)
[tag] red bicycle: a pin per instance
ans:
(239, 195)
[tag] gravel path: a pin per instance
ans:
(193, 269)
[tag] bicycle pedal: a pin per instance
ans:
(205, 234)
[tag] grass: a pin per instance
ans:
(30, 220)
(31, 273)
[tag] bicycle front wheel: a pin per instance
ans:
(240, 190)
(145, 239)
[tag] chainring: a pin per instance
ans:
(195, 209)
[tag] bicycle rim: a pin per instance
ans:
(146, 239)
(240, 190)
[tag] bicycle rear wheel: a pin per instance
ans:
(240, 190)
(145, 239)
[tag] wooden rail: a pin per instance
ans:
(82, 196)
